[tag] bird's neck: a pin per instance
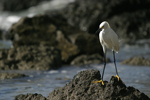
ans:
(106, 28)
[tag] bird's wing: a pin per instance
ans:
(115, 41)
(102, 42)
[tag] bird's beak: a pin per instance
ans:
(98, 31)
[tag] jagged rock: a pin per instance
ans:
(88, 59)
(81, 88)
(30, 57)
(30, 97)
(11, 75)
(138, 61)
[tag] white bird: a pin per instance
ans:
(108, 39)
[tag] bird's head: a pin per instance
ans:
(103, 25)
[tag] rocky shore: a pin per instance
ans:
(30, 57)
(137, 61)
(81, 88)
(129, 22)
(68, 31)
(11, 75)
(57, 38)
(44, 30)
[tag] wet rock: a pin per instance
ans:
(138, 61)
(17, 5)
(30, 97)
(30, 57)
(88, 59)
(81, 88)
(11, 75)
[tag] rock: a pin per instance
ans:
(88, 44)
(77, 15)
(1, 33)
(81, 88)
(68, 49)
(40, 29)
(30, 97)
(128, 22)
(45, 30)
(33, 31)
(11, 75)
(69, 40)
(138, 61)
(88, 59)
(17, 5)
(30, 57)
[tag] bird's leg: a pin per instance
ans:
(117, 76)
(101, 81)
(104, 65)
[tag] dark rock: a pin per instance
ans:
(30, 97)
(45, 30)
(88, 44)
(88, 59)
(17, 5)
(1, 34)
(138, 61)
(30, 57)
(81, 88)
(68, 49)
(11, 75)
(130, 21)
(54, 31)
(40, 29)
(33, 31)
(83, 13)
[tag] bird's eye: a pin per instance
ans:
(102, 27)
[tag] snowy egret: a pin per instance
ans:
(108, 39)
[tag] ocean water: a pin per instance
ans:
(44, 82)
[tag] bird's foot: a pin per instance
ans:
(101, 81)
(118, 77)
